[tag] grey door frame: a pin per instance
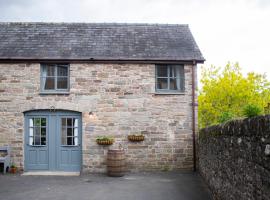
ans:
(55, 142)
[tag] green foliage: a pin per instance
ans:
(12, 165)
(104, 138)
(226, 91)
(251, 110)
(225, 116)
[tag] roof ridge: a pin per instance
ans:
(98, 23)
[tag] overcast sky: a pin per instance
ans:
(225, 30)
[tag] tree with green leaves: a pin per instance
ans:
(226, 92)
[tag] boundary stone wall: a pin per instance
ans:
(234, 159)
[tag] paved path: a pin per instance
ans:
(142, 186)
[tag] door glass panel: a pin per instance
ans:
(37, 140)
(64, 121)
(31, 141)
(31, 124)
(69, 131)
(43, 140)
(69, 140)
(69, 122)
(43, 121)
(76, 132)
(37, 131)
(37, 122)
(76, 123)
(76, 141)
(31, 132)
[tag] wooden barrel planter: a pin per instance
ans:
(116, 164)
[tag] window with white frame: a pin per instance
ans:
(37, 131)
(170, 78)
(54, 78)
(69, 132)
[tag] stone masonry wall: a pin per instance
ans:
(123, 101)
(234, 159)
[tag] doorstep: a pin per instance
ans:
(50, 173)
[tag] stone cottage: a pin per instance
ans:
(64, 84)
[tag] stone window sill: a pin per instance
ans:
(54, 93)
(169, 93)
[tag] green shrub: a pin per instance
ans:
(225, 116)
(252, 110)
(102, 138)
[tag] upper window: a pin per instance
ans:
(170, 78)
(54, 78)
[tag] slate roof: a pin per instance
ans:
(100, 41)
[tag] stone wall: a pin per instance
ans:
(234, 159)
(123, 100)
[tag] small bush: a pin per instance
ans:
(104, 138)
(225, 116)
(252, 110)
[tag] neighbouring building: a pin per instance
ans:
(64, 84)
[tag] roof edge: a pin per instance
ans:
(99, 60)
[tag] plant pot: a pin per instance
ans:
(136, 138)
(105, 142)
(13, 170)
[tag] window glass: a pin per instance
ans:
(49, 83)
(37, 131)
(162, 83)
(49, 70)
(62, 83)
(69, 131)
(62, 70)
(54, 78)
(170, 78)
(162, 71)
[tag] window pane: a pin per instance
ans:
(75, 132)
(64, 141)
(31, 122)
(37, 122)
(43, 140)
(31, 141)
(43, 121)
(48, 71)
(62, 71)
(37, 140)
(43, 132)
(69, 131)
(76, 141)
(63, 133)
(62, 83)
(70, 141)
(69, 121)
(31, 132)
(173, 71)
(49, 83)
(64, 122)
(162, 83)
(76, 123)
(162, 71)
(37, 131)
(174, 84)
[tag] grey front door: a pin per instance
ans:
(53, 140)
